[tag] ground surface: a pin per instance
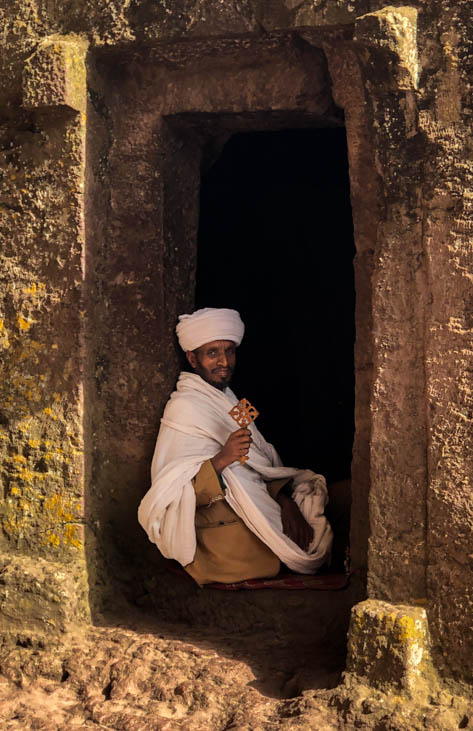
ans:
(143, 677)
(137, 675)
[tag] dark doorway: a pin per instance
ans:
(276, 243)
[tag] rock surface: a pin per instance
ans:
(145, 677)
(142, 676)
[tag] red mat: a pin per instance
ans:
(288, 581)
(317, 582)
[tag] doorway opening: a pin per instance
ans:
(276, 243)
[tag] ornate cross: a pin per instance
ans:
(243, 413)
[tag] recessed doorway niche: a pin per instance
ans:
(276, 243)
(264, 155)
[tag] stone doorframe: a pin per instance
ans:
(151, 115)
(158, 113)
(154, 117)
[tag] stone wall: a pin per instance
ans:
(98, 219)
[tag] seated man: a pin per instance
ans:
(222, 519)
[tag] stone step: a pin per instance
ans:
(320, 615)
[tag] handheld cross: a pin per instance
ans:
(243, 413)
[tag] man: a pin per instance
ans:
(222, 519)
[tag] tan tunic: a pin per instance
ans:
(227, 551)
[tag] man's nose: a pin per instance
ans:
(222, 359)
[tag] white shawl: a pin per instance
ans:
(195, 426)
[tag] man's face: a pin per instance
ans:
(214, 362)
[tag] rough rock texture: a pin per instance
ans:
(54, 76)
(98, 217)
(146, 676)
(39, 596)
(150, 678)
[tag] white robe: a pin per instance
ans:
(195, 426)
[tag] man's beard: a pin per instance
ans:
(221, 385)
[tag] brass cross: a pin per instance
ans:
(243, 413)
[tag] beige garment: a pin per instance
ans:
(227, 550)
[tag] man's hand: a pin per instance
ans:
(236, 446)
(294, 524)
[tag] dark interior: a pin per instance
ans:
(276, 243)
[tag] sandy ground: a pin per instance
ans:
(141, 676)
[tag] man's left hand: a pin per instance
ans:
(294, 524)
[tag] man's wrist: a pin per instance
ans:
(219, 463)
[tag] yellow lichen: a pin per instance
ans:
(28, 476)
(70, 536)
(60, 507)
(52, 539)
(4, 339)
(11, 526)
(23, 325)
(63, 511)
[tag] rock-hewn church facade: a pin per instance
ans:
(108, 110)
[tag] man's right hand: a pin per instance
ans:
(236, 446)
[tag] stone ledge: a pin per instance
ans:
(393, 30)
(55, 75)
(38, 596)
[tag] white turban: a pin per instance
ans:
(209, 324)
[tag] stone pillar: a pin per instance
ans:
(448, 242)
(420, 498)
(376, 85)
(386, 49)
(42, 561)
(142, 213)
(365, 192)
(374, 77)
